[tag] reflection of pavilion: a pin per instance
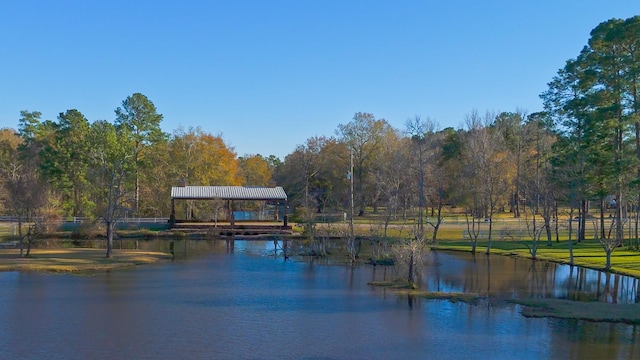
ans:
(230, 210)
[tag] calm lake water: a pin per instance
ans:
(238, 302)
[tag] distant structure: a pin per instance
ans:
(226, 212)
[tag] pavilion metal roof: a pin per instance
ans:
(229, 192)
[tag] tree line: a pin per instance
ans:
(108, 170)
(582, 150)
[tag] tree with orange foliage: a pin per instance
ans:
(200, 158)
(254, 170)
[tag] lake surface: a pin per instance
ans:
(218, 301)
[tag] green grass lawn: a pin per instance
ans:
(511, 237)
(588, 253)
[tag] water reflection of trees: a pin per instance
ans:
(498, 276)
(570, 335)
(585, 284)
(523, 278)
(506, 277)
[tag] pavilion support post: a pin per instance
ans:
(231, 219)
(275, 213)
(172, 217)
(285, 214)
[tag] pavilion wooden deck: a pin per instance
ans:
(254, 229)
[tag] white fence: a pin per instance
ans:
(155, 220)
(77, 220)
(517, 234)
(9, 229)
(506, 234)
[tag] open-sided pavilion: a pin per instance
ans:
(230, 194)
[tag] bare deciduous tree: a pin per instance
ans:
(485, 173)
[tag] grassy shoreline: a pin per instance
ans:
(587, 254)
(74, 260)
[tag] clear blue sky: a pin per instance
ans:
(268, 74)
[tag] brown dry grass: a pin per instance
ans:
(75, 259)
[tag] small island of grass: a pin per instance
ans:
(403, 287)
(533, 308)
(579, 310)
